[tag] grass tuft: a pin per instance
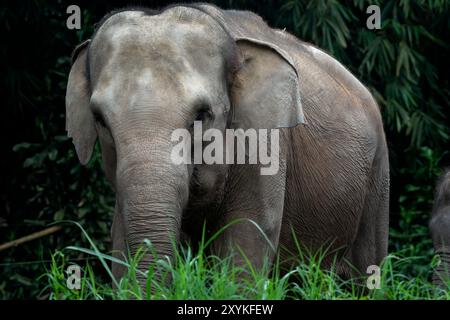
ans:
(201, 276)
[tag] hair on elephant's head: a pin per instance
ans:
(144, 74)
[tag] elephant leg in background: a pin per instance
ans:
(441, 275)
(256, 201)
(440, 231)
(371, 243)
(118, 244)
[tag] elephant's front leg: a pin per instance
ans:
(254, 210)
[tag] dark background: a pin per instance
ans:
(405, 65)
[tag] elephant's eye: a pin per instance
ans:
(204, 113)
(99, 119)
(202, 116)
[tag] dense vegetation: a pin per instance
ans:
(197, 275)
(404, 64)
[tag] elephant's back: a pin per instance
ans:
(324, 79)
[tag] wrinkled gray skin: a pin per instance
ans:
(440, 228)
(145, 74)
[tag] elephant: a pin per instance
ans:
(439, 226)
(145, 73)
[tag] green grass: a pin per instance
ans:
(201, 276)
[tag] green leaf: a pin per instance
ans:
(59, 215)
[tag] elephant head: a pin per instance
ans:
(440, 229)
(143, 75)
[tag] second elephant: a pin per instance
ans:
(440, 229)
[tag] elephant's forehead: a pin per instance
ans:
(158, 36)
(136, 59)
(132, 41)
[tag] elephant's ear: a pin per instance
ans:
(80, 123)
(267, 91)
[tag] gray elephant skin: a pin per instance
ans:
(145, 73)
(440, 229)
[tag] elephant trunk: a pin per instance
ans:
(441, 275)
(152, 194)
